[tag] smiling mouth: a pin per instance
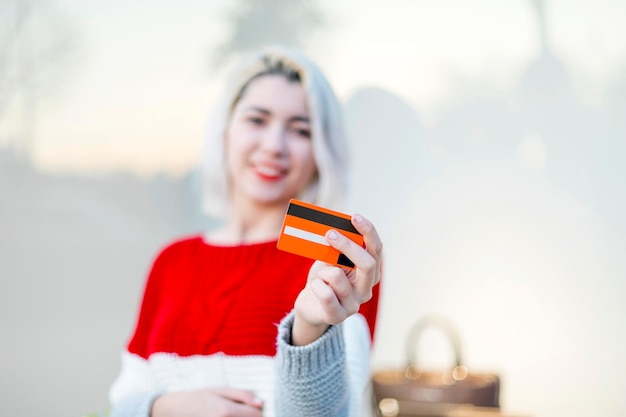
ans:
(270, 173)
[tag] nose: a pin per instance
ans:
(274, 140)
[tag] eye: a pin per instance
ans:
(255, 120)
(305, 133)
(302, 132)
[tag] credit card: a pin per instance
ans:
(304, 228)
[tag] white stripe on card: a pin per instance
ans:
(303, 234)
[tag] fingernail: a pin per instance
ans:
(358, 218)
(332, 235)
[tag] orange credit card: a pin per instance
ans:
(304, 228)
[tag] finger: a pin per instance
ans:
(344, 291)
(243, 410)
(361, 258)
(240, 396)
(367, 272)
(373, 243)
(315, 268)
(331, 309)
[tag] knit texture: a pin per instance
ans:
(209, 317)
(202, 299)
(312, 379)
(136, 405)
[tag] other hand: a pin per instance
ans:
(208, 402)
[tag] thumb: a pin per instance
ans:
(240, 396)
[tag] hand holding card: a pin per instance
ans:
(349, 252)
(304, 228)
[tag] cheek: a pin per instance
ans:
(306, 160)
(234, 148)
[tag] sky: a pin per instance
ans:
(139, 84)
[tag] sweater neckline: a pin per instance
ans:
(261, 244)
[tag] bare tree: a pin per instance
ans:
(37, 46)
(260, 22)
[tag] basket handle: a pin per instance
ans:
(446, 327)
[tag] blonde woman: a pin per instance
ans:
(231, 326)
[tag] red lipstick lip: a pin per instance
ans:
(269, 172)
(268, 178)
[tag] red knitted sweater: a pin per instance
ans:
(202, 299)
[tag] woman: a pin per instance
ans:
(230, 325)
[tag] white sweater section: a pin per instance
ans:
(167, 372)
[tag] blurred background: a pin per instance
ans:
(489, 143)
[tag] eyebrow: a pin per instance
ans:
(267, 112)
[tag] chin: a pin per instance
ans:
(267, 200)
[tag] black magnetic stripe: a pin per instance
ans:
(345, 261)
(321, 217)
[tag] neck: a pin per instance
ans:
(251, 224)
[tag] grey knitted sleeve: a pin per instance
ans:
(311, 380)
(135, 405)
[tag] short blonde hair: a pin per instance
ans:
(327, 132)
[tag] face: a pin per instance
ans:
(269, 150)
